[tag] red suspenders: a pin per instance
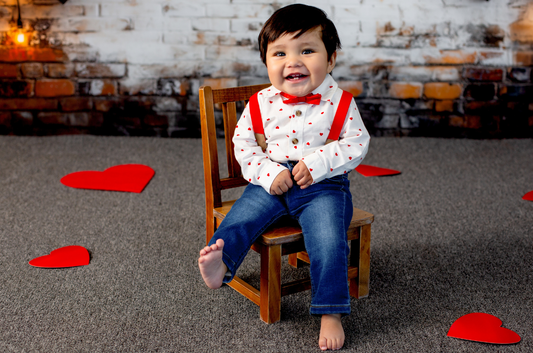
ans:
(336, 127)
(340, 117)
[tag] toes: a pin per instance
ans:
(323, 343)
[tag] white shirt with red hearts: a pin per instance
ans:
(299, 132)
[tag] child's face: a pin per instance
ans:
(297, 66)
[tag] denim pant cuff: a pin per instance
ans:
(330, 309)
(231, 268)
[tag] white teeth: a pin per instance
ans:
(295, 76)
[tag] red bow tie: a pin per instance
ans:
(310, 98)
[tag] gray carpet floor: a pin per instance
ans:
(451, 236)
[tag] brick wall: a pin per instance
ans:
(416, 67)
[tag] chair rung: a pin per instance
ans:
(230, 183)
(295, 286)
(245, 289)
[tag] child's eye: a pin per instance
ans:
(279, 53)
(307, 51)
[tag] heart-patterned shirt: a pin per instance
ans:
(299, 132)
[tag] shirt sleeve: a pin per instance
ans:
(342, 156)
(257, 168)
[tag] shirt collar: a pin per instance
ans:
(327, 89)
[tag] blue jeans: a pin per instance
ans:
(323, 210)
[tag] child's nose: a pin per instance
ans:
(294, 61)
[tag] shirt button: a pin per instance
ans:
(294, 141)
(298, 112)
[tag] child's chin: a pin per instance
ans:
(297, 90)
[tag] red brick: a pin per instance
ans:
(5, 119)
(32, 70)
(485, 107)
(19, 88)
(28, 104)
(156, 120)
(354, 87)
(480, 74)
(522, 31)
(454, 57)
(71, 104)
(473, 122)
(54, 88)
(441, 90)
(405, 90)
(106, 104)
(8, 71)
(60, 70)
(32, 54)
(456, 121)
(54, 118)
(444, 106)
(523, 58)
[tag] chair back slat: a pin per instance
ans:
(227, 99)
(229, 111)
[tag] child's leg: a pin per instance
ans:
(325, 217)
(249, 217)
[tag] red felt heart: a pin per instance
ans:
(368, 170)
(68, 256)
(126, 177)
(528, 196)
(481, 327)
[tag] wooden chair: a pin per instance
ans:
(278, 240)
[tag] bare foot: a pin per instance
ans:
(211, 266)
(331, 332)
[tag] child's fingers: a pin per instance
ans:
(305, 181)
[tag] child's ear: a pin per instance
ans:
(332, 61)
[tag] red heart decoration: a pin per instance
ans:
(481, 327)
(126, 177)
(68, 256)
(368, 171)
(528, 196)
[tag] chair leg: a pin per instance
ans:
(360, 257)
(270, 290)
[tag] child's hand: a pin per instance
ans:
(302, 176)
(282, 183)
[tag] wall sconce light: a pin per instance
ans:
(20, 36)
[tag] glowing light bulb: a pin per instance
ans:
(21, 38)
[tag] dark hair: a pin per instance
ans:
(298, 18)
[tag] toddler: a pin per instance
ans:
(296, 154)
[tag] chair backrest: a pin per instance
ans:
(227, 99)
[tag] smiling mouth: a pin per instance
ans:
(296, 77)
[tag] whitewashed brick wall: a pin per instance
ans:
(189, 42)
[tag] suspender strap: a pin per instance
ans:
(340, 117)
(257, 122)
